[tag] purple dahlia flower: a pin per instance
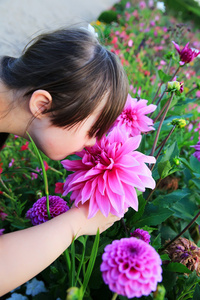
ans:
(142, 235)
(131, 267)
(38, 213)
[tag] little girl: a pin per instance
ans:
(65, 90)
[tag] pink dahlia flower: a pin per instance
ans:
(186, 54)
(108, 174)
(142, 235)
(134, 118)
(38, 213)
(131, 267)
(197, 152)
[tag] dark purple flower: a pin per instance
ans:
(38, 213)
(186, 54)
(131, 267)
(185, 252)
(197, 152)
(142, 235)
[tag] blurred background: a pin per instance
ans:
(21, 20)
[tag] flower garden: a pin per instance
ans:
(148, 164)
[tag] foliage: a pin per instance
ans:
(142, 39)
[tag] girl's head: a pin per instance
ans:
(83, 84)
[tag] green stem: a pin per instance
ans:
(68, 261)
(44, 174)
(8, 196)
(124, 226)
(114, 296)
(162, 145)
(161, 83)
(160, 124)
(182, 232)
(5, 187)
(160, 113)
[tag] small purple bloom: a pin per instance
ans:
(142, 235)
(186, 54)
(131, 267)
(197, 152)
(38, 213)
(1, 231)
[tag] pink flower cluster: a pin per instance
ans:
(108, 173)
(38, 213)
(134, 118)
(131, 267)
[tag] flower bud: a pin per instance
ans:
(73, 293)
(180, 123)
(176, 161)
(173, 86)
(159, 294)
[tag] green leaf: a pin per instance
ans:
(164, 168)
(171, 152)
(154, 215)
(134, 216)
(169, 200)
(185, 163)
(196, 292)
(177, 267)
(157, 242)
(195, 164)
(91, 263)
(164, 257)
(185, 209)
(164, 77)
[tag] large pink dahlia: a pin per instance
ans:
(38, 212)
(131, 267)
(108, 174)
(134, 118)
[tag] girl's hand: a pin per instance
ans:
(85, 226)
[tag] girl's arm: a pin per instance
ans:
(25, 253)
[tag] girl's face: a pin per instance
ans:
(57, 142)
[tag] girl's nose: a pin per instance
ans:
(91, 142)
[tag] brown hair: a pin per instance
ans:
(76, 70)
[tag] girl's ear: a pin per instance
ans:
(39, 102)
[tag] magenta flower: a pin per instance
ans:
(142, 235)
(108, 174)
(197, 152)
(38, 213)
(134, 118)
(186, 54)
(1, 231)
(59, 188)
(131, 267)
